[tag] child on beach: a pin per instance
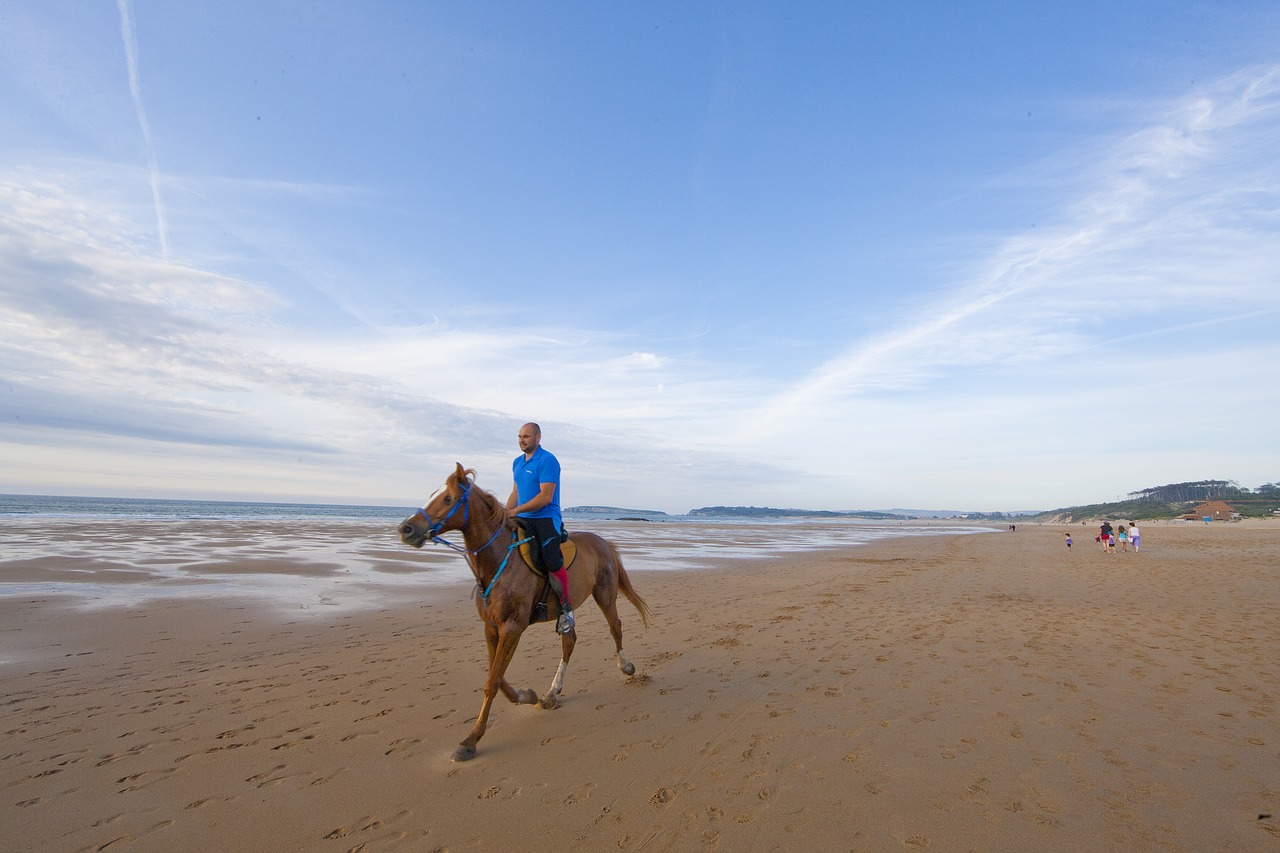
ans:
(1123, 536)
(1068, 541)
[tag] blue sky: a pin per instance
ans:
(985, 256)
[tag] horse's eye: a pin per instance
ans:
(448, 499)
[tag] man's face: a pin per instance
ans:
(528, 439)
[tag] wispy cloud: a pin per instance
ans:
(1175, 220)
(130, 36)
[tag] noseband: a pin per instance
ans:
(434, 532)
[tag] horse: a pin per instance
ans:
(507, 588)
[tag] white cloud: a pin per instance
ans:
(106, 346)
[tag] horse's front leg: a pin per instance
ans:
(552, 699)
(507, 639)
(516, 697)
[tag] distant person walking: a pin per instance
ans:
(1068, 541)
(1104, 536)
(1135, 536)
(1123, 535)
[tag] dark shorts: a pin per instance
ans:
(546, 542)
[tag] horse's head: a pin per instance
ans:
(448, 509)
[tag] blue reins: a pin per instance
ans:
(465, 503)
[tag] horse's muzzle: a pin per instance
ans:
(411, 535)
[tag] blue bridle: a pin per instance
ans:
(434, 532)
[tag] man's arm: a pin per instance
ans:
(546, 492)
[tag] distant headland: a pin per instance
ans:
(1170, 501)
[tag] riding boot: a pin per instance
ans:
(565, 623)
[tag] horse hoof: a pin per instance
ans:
(629, 669)
(526, 697)
(463, 753)
(550, 702)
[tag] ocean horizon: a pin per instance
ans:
(55, 506)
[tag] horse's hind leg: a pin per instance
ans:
(615, 628)
(552, 699)
(609, 607)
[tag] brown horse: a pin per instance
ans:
(507, 589)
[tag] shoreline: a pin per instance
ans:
(945, 692)
(315, 566)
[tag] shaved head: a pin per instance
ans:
(529, 437)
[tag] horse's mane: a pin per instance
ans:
(488, 508)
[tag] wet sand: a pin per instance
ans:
(981, 692)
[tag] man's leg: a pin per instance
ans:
(553, 559)
(546, 542)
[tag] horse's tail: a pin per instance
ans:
(625, 587)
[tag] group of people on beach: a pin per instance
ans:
(1121, 536)
(1111, 537)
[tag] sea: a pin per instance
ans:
(324, 558)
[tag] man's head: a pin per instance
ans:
(530, 436)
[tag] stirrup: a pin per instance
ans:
(565, 623)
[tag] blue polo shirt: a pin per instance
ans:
(529, 475)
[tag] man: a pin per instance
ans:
(535, 505)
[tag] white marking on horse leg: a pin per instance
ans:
(626, 666)
(557, 683)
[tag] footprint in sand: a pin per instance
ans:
(401, 744)
(234, 732)
(129, 839)
(116, 842)
(662, 796)
(137, 777)
(324, 779)
(581, 793)
(289, 744)
(201, 803)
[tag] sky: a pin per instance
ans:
(984, 256)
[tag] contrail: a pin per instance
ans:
(130, 37)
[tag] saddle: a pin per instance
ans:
(568, 551)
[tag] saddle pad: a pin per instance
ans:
(568, 551)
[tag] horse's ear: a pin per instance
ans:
(462, 472)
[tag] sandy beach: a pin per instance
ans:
(990, 692)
